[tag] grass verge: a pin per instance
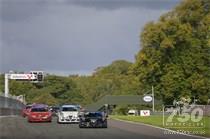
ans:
(158, 121)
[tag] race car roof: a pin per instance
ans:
(69, 105)
(39, 106)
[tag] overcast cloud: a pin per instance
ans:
(73, 37)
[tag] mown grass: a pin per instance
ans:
(158, 121)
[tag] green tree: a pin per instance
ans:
(1, 83)
(175, 54)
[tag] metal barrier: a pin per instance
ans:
(10, 106)
(207, 110)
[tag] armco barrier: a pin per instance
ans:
(9, 106)
(9, 111)
(207, 110)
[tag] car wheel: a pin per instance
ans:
(58, 122)
(80, 126)
(105, 125)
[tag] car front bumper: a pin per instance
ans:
(92, 124)
(40, 119)
(68, 120)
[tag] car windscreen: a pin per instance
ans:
(28, 107)
(39, 110)
(55, 109)
(93, 115)
(69, 109)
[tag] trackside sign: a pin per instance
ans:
(145, 113)
(22, 76)
(147, 98)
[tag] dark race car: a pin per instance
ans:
(93, 119)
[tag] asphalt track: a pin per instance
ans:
(19, 128)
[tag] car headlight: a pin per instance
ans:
(46, 116)
(83, 118)
(61, 115)
(33, 116)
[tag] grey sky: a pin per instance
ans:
(73, 36)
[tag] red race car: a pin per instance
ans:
(40, 113)
(25, 111)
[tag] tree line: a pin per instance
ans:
(174, 58)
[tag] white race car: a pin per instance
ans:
(68, 114)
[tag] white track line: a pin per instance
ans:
(200, 137)
(8, 116)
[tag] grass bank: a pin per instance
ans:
(203, 130)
